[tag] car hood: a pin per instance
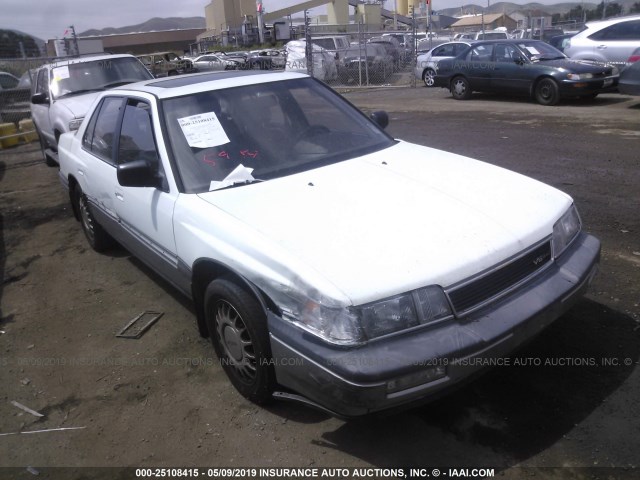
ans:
(78, 105)
(395, 220)
(577, 66)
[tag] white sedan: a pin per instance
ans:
(211, 62)
(328, 262)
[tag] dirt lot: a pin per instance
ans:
(163, 400)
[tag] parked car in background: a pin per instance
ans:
(238, 56)
(547, 34)
(266, 59)
(425, 68)
(163, 64)
(392, 47)
(490, 35)
(8, 80)
(14, 97)
(187, 176)
(366, 63)
(324, 62)
(337, 45)
(560, 41)
(630, 77)
(528, 67)
(211, 62)
(609, 41)
(465, 36)
(634, 57)
(63, 92)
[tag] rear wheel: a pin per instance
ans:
(460, 88)
(238, 329)
(547, 92)
(428, 77)
(97, 237)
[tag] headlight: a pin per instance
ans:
(354, 325)
(579, 76)
(319, 315)
(419, 307)
(565, 230)
(75, 124)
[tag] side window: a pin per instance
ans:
(482, 53)
(42, 85)
(87, 138)
(504, 53)
(619, 31)
(136, 136)
(104, 131)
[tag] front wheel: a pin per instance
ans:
(460, 88)
(97, 237)
(547, 92)
(428, 77)
(238, 329)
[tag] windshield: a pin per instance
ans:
(540, 51)
(274, 128)
(96, 75)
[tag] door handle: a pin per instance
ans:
(120, 196)
(601, 47)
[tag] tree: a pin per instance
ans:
(635, 8)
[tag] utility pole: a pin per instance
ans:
(308, 45)
(260, 25)
(75, 40)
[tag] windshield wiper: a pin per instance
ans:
(240, 184)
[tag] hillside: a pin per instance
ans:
(154, 24)
(507, 7)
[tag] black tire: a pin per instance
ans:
(98, 238)
(238, 329)
(460, 88)
(428, 77)
(547, 92)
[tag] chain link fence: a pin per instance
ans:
(15, 100)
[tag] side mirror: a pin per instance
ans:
(381, 118)
(138, 173)
(519, 59)
(39, 98)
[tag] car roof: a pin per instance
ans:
(610, 21)
(169, 87)
(61, 61)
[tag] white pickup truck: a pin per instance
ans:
(64, 90)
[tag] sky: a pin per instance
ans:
(47, 19)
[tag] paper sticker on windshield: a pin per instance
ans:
(533, 50)
(61, 73)
(203, 130)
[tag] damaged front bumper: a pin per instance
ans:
(415, 366)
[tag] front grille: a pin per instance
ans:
(499, 279)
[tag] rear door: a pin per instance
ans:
(478, 66)
(618, 41)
